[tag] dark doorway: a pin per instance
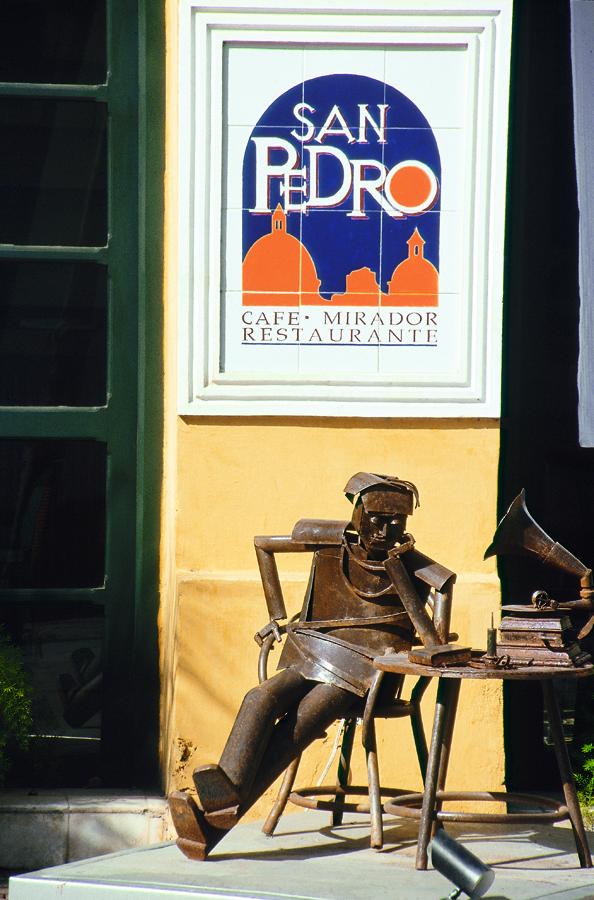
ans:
(540, 449)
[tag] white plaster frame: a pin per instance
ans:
(484, 28)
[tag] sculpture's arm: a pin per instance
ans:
(439, 579)
(442, 611)
(411, 601)
(266, 547)
(308, 535)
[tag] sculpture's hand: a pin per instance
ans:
(271, 628)
(407, 543)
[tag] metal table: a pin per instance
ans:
(430, 813)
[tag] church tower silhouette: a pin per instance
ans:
(278, 270)
(414, 281)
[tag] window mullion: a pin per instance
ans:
(60, 91)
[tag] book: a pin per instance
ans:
(440, 655)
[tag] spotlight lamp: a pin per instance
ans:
(471, 876)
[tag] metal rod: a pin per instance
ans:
(282, 797)
(344, 769)
(569, 792)
(433, 767)
(416, 721)
(373, 781)
(452, 706)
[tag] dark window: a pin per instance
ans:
(52, 513)
(73, 76)
(65, 41)
(53, 174)
(53, 331)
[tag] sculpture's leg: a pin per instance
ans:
(223, 788)
(575, 813)
(322, 705)
(274, 746)
(196, 837)
(282, 797)
(200, 829)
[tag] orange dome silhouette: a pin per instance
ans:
(361, 289)
(414, 281)
(278, 270)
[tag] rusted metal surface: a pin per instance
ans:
(430, 815)
(400, 663)
(540, 633)
(518, 534)
(539, 636)
(574, 812)
(442, 612)
(440, 655)
(282, 797)
(323, 798)
(408, 806)
(355, 609)
(439, 756)
(318, 532)
(413, 604)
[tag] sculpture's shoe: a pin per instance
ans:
(215, 790)
(195, 837)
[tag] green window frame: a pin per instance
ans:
(130, 422)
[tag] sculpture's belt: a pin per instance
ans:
(348, 665)
(324, 669)
(356, 622)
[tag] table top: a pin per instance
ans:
(400, 664)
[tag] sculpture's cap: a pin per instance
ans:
(382, 493)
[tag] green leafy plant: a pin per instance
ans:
(15, 704)
(584, 780)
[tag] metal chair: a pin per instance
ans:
(367, 711)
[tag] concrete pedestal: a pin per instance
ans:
(309, 860)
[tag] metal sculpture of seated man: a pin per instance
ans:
(366, 596)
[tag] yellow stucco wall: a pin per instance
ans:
(236, 478)
(227, 479)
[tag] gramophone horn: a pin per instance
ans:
(518, 533)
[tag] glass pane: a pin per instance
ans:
(52, 513)
(53, 174)
(61, 648)
(53, 327)
(53, 41)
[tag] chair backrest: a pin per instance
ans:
(310, 535)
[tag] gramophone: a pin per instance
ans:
(540, 634)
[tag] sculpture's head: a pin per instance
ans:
(382, 504)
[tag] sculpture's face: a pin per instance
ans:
(379, 531)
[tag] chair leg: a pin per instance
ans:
(418, 729)
(282, 797)
(373, 784)
(344, 768)
(420, 740)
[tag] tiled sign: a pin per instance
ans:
(341, 196)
